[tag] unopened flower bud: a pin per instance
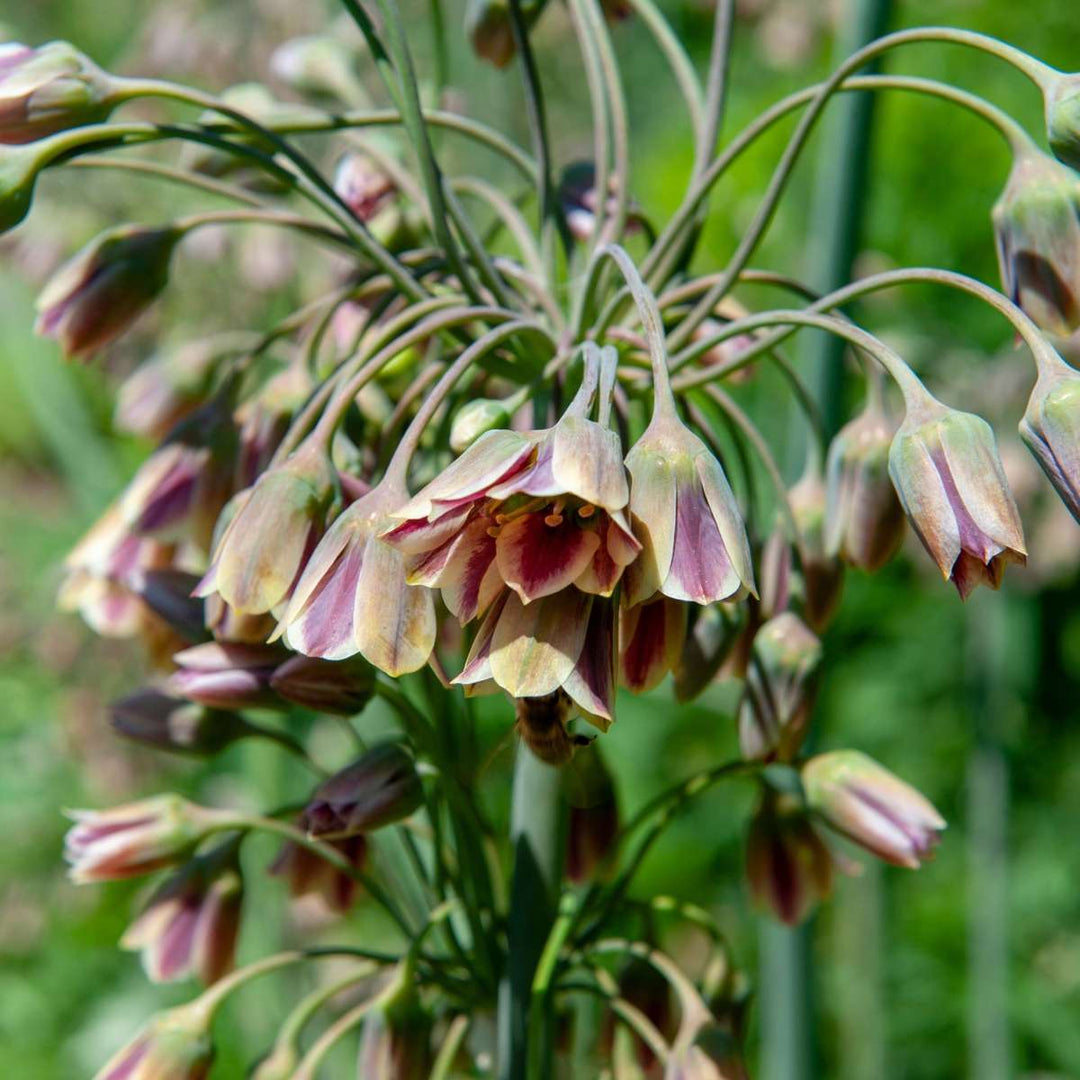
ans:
(1063, 118)
(307, 873)
(167, 592)
(579, 200)
(474, 419)
(363, 184)
(381, 787)
(868, 804)
(103, 289)
(822, 574)
(780, 687)
(1051, 429)
(227, 675)
(165, 389)
(952, 486)
(49, 89)
(864, 521)
(317, 64)
(174, 1045)
(594, 813)
(169, 723)
(339, 687)
(135, 838)
(488, 27)
(274, 530)
(788, 867)
(189, 926)
(19, 169)
(712, 637)
(395, 1042)
(1037, 231)
(651, 637)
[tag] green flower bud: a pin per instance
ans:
(1063, 118)
(1051, 429)
(19, 169)
(475, 419)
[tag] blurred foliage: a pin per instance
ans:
(929, 686)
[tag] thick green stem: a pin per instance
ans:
(534, 837)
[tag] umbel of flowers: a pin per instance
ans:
(507, 469)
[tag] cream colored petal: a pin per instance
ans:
(652, 511)
(728, 518)
(587, 461)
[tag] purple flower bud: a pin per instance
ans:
(822, 574)
(168, 723)
(865, 802)
(379, 788)
(165, 389)
(864, 522)
(190, 924)
(49, 89)
(1037, 230)
(227, 675)
(1051, 429)
(489, 30)
(711, 639)
(309, 874)
(339, 687)
(651, 637)
(1063, 118)
(363, 184)
(167, 592)
(174, 1045)
(104, 288)
(578, 197)
(788, 866)
(135, 838)
(946, 470)
(780, 686)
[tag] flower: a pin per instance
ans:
(135, 838)
(316, 64)
(309, 874)
(273, 532)
(864, 521)
(694, 544)
(788, 867)
(395, 1041)
(651, 639)
(1037, 231)
(227, 675)
(1063, 117)
(341, 687)
(102, 290)
(868, 804)
(169, 723)
(822, 573)
(174, 1045)
(48, 89)
(380, 787)
(537, 512)
(711, 639)
(779, 691)
(189, 926)
(488, 27)
(947, 473)
(1051, 429)
(363, 185)
(556, 650)
(353, 597)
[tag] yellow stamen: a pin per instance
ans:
(587, 511)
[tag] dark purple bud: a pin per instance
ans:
(339, 687)
(169, 723)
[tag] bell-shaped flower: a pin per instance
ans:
(952, 486)
(189, 925)
(685, 515)
(102, 290)
(538, 512)
(868, 804)
(562, 644)
(864, 521)
(395, 1041)
(490, 31)
(135, 838)
(363, 185)
(1037, 230)
(308, 874)
(353, 596)
(174, 1045)
(382, 786)
(272, 534)
(651, 640)
(48, 89)
(1051, 429)
(788, 866)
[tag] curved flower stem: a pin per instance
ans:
(309, 1065)
(263, 217)
(672, 48)
(1031, 67)
(301, 1016)
(510, 217)
(716, 88)
(630, 1015)
(176, 176)
(451, 1044)
(1041, 349)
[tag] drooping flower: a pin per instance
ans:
(1037, 230)
(169, 723)
(363, 184)
(135, 838)
(952, 486)
(395, 1041)
(1051, 429)
(353, 596)
(307, 873)
(48, 89)
(190, 924)
(651, 639)
(272, 534)
(821, 573)
(227, 675)
(1063, 117)
(102, 290)
(868, 804)
(489, 30)
(174, 1045)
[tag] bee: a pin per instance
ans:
(541, 723)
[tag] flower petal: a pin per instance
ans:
(536, 559)
(652, 509)
(592, 682)
(651, 639)
(587, 462)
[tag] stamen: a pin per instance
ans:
(587, 511)
(553, 520)
(493, 531)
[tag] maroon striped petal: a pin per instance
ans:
(537, 559)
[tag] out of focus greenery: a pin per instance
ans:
(974, 704)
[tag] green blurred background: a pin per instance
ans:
(970, 967)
